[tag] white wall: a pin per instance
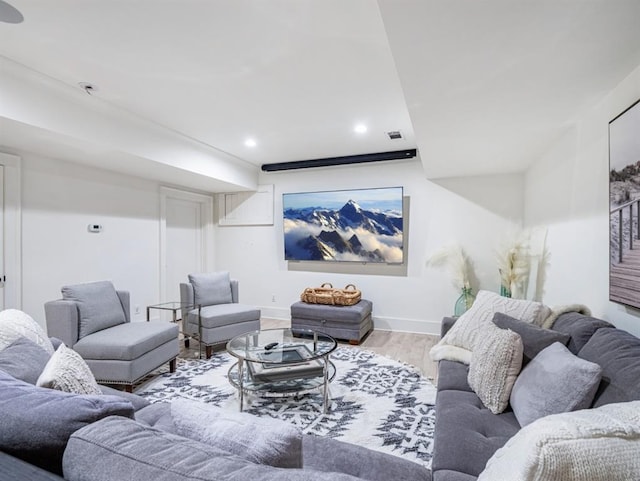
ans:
(568, 191)
(416, 301)
(59, 200)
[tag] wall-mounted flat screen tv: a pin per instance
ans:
(362, 225)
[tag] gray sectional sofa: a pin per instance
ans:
(117, 436)
(467, 434)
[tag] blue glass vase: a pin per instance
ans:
(464, 302)
(504, 291)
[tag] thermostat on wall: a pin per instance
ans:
(94, 228)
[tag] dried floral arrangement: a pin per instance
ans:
(456, 261)
(513, 261)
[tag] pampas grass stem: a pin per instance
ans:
(455, 260)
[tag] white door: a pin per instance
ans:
(10, 230)
(2, 273)
(186, 239)
(184, 243)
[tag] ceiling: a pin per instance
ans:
(480, 87)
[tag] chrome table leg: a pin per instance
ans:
(241, 381)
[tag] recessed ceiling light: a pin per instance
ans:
(360, 128)
(250, 143)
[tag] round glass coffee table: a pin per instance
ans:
(282, 362)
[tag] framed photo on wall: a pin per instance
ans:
(624, 207)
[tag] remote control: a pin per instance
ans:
(268, 347)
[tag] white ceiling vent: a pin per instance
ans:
(394, 134)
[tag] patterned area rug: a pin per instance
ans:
(375, 402)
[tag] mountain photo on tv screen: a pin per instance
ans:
(361, 225)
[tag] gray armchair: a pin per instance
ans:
(216, 315)
(93, 319)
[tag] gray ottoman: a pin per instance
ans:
(349, 323)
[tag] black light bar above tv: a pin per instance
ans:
(345, 160)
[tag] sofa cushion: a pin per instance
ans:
(157, 415)
(24, 360)
(223, 315)
(446, 325)
(261, 440)
(453, 375)
(449, 475)
(126, 342)
(55, 342)
(66, 371)
(579, 327)
(116, 448)
(322, 453)
(99, 306)
(495, 365)
(534, 338)
(556, 381)
(35, 422)
(618, 353)
(458, 343)
(467, 433)
(138, 402)
(319, 453)
(211, 288)
(15, 324)
(593, 444)
(343, 314)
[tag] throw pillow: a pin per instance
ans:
(66, 371)
(99, 306)
(579, 327)
(55, 342)
(211, 289)
(554, 382)
(259, 440)
(593, 444)
(15, 324)
(36, 422)
(617, 352)
(24, 360)
(495, 365)
(458, 343)
(534, 338)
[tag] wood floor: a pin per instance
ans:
(624, 280)
(406, 347)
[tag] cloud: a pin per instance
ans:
(390, 247)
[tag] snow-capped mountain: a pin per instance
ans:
(350, 215)
(349, 233)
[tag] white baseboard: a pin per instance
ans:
(418, 326)
(278, 313)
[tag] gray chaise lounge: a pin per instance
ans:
(93, 319)
(217, 315)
